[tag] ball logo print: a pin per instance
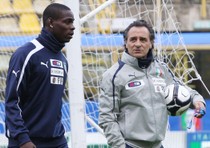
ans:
(177, 99)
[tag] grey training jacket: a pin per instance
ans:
(132, 108)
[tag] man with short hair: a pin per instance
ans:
(35, 84)
(132, 108)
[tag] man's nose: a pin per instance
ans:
(138, 43)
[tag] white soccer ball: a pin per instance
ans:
(177, 99)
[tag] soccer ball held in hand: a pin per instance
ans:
(177, 99)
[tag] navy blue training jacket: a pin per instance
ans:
(34, 88)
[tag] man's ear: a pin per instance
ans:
(50, 22)
(151, 45)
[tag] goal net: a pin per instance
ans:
(102, 23)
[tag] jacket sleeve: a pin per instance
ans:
(195, 96)
(108, 111)
(14, 120)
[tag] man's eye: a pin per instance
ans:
(143, 40)
(132, 39)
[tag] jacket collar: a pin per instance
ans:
(49, 41)
(138, 63)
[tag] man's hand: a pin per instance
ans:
(200, 109)
(28, 145)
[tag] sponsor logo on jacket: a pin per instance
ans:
(134, 84)
(56, 72)
(56, 63)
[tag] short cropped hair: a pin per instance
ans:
(53, 11)
(140, 23)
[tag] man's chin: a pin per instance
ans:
(67, 40)
(140, 56)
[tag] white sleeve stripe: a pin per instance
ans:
(38, 47)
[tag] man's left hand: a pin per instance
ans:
(200, 109)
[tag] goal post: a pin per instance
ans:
(75, 87)
(75, 79)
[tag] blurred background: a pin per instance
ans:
(102, 45)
